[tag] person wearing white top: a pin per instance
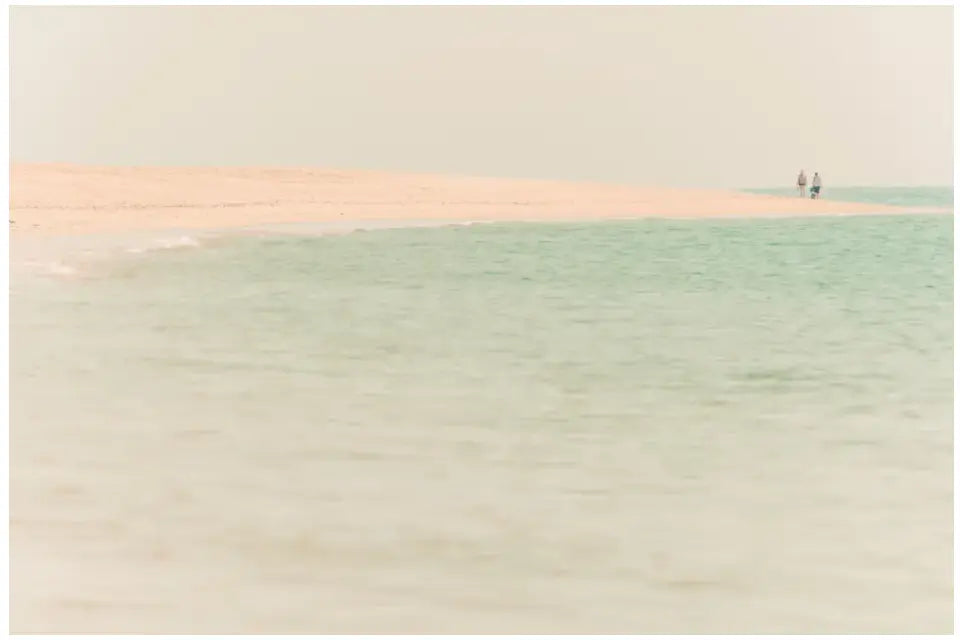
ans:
(802, 183)
(815, 191)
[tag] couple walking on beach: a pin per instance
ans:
(814, 188)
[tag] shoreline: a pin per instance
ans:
(73, 200)
(72, 254)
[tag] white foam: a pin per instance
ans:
(161, 244)
(180, 241)
(61, 269)
(53, 268)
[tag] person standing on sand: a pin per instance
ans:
(802, 183)
(815, 188)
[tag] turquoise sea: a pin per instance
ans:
(651, 426)
(898, 196)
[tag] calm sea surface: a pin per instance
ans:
(646, 426)
(897, 196)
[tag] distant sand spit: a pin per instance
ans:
(58, 199)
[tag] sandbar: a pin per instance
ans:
(62, 199)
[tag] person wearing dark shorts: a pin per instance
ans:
(815, 187)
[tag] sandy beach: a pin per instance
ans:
(55, 199)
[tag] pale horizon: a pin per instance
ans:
(669, 96)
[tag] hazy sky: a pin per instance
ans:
(688, 96)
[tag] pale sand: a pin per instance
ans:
(68, 199)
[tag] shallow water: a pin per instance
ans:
(646, 426)
(896, 196)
